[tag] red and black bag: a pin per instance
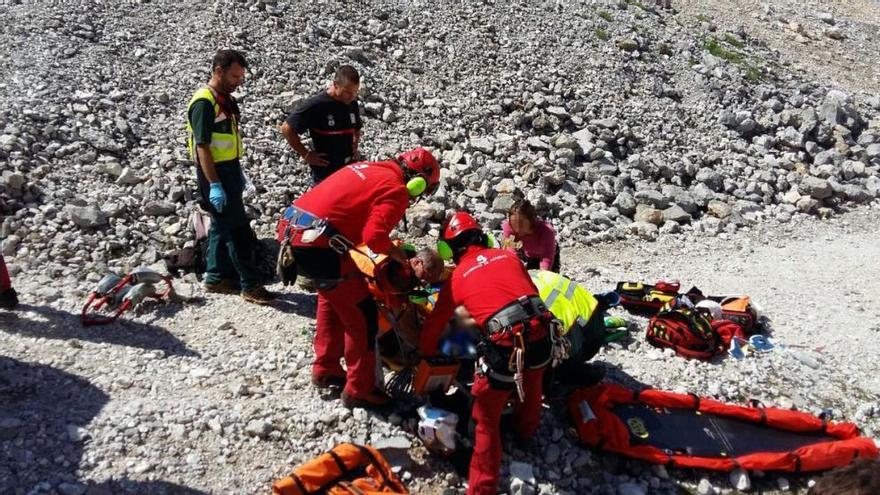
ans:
(645, 299)
(689, 333)
(727, 330)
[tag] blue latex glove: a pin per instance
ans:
(459, 344)
(217, 197)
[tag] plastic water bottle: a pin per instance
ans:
(614, 322)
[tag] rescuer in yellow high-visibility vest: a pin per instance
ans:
(583, 320)
(216, 148)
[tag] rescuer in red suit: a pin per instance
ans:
(360, 203)
(515, 347)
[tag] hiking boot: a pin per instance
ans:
(328, 381)
(376, 398)
(8, 299)
(222, 287)
(258, 295)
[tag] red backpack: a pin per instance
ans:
(690, 333)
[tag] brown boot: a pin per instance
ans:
(221, 287)
(375, 399)
(258, 295)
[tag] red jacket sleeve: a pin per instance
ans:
(385, 213)
(436, 321)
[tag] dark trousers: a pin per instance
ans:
(535, 263)
(231, 241)
(586, 338)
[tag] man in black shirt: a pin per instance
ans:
(333, 120)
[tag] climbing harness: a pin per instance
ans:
(114, 295)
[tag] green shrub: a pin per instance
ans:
(733, 40)
(712, 46)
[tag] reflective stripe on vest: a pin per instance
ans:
(557, 291)
(224, 146)
(568, 301)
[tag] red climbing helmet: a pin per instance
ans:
(458, 223)
(459, 230)
(420, 164)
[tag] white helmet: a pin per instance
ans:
(710, 307)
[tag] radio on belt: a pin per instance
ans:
(435, 373)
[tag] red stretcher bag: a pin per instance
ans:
(688, 431)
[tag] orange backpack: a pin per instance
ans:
(347, 469)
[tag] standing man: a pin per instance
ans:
(333, 120)
(8, 297)
(215, 146)
(515, 347)
(361, 203)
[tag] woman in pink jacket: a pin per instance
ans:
(531, 237)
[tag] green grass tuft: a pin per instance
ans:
(712, 46)
(604, 14)
(602, 34)
(751, 66)
(733, 40)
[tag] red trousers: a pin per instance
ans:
(347, 326)
(5, 283)
(488, 405)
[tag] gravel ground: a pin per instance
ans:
(799, 30)
(214, 396)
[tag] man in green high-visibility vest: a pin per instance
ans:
(583, 321)
(215, 146)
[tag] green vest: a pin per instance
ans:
(568, 301)
(225, 138)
